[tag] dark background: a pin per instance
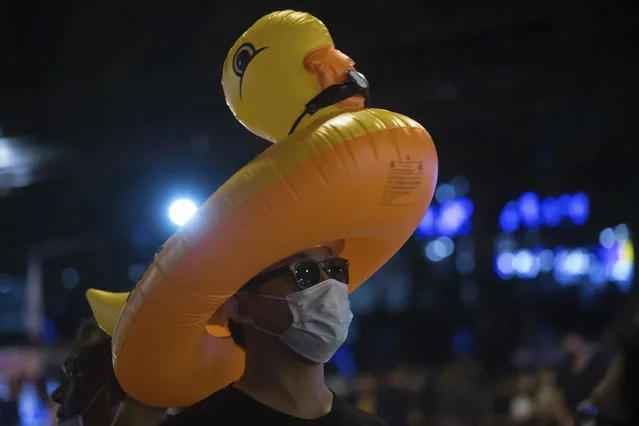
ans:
(124, 108)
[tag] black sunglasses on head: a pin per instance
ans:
(306, 273)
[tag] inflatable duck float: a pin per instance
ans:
(339, 174)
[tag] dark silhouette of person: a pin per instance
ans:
(89, 393)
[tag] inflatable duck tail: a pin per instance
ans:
(106, 307)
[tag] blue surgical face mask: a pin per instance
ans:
(321, 317)
(79, 419)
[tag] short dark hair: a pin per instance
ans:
(95, 346)
(90, 334)
(237, 333)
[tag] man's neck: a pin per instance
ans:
(286, 383)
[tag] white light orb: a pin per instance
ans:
(181, 211)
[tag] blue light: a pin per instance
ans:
(526, 265)
(448, 246)
(449, 219)
(576, 263)
(597, 274)
(565, 201)
(181, 211)
(621, 271)
(561, 257)
(529, 209)
(504, 265)
(546, 260)
(426, 226)
(465, 229)
(550, 212)
(531, 213)
(509, 219)
(607, 255)
(578, 208)
(591, 266)
(439, 249)
(434, 251)
(452, 215)
(563, 272)
(32, 410)
(51, 385)
(445, 192)
(621, 232)
(467, 205)
(461, 185)
(563, 278)
(607, 238)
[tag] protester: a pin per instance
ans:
(89, 393)
(210, 315)
(290, 320)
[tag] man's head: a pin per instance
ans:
(266, 310)
(90, 389)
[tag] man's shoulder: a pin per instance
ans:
(359, 416)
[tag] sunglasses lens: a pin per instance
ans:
(307, 274)
(337, 269)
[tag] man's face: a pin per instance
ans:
(87, 372)
(272, 314)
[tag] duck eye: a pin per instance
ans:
(242, 57)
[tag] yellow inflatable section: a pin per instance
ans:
(106, 307)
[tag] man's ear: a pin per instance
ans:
(237, 310)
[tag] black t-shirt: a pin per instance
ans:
(232, 407)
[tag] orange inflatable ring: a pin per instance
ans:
(356, 179)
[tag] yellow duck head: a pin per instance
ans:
(282, 62)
